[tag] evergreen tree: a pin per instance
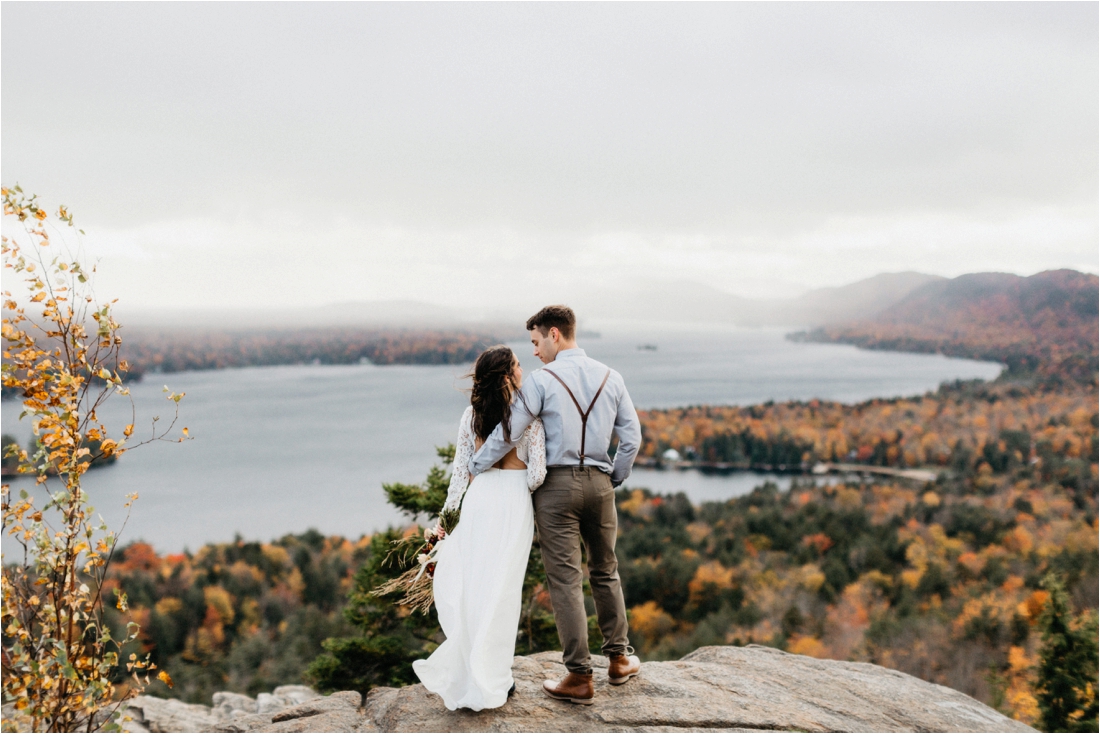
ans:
(1068, 661)
(389, 639)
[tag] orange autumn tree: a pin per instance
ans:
(61, 358)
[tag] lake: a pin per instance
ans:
(279, 450)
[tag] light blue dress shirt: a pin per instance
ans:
(544, 397)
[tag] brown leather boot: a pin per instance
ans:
(622, 668)
(575, 688)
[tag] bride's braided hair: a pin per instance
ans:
(493, 389)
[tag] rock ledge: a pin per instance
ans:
(714, 688)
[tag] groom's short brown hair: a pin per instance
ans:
(560, 317)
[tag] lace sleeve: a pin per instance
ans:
(536, 455)
(460, 471)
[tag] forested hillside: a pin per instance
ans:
(944, 580)
(957, 427)
(980, 580)
(179, 350)
(1043, 326)
(242, 616)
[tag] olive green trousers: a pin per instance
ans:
(577, 504)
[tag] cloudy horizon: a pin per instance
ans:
(471, 155)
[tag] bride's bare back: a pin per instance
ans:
(510, 460)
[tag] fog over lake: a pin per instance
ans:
(281, 449)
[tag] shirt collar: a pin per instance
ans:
(574, 352)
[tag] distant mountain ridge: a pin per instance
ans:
(843, 303)
(925, 303)
(1066, 296)
(1044, 325)
(692, 302)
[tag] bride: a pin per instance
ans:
(480, 566)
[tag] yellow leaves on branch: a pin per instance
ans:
(60, 659)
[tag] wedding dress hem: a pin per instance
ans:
(478, 586)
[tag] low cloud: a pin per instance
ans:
(300, 154)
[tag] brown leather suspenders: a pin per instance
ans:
(584, 413)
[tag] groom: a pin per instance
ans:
(581, 402)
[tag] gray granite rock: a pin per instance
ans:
(230, 712)
(246, 722)
(149, 713)
(338, 712)
(268, 704)
(283, 697)
(714, 688)
(227, 705)
(294, 695)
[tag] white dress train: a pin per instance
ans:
(478, 582)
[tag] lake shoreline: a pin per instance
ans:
(276, 450)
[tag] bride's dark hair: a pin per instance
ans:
(493, 389)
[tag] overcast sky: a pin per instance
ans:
(472, 155)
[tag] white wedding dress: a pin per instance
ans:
(479, 572)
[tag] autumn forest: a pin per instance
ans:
(953, 580)
(946, 580)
